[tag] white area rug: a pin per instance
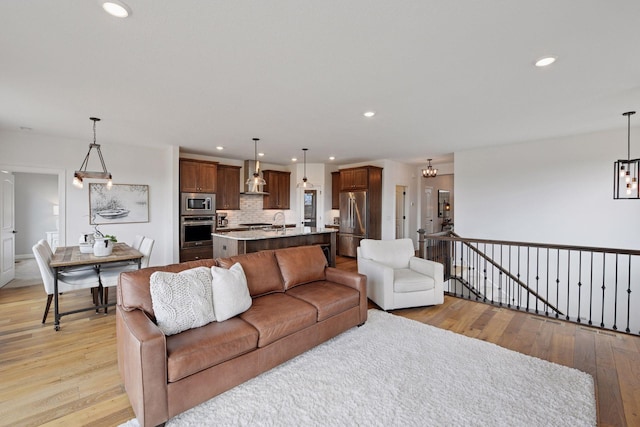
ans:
(398, 372)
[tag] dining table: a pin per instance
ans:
(67, 258)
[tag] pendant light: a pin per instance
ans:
(305, 183)
(626, 172)
(429, 172)
(253, 182)
(82, 173)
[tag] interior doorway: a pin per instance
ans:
(33, 208)
(310, 208)
(401, 217)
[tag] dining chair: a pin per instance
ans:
(67, 281)
(109, 275)
(137, 241)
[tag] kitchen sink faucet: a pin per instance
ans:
(275, 218)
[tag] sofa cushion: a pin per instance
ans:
(392, 253)
(200, 348)
(230, 293)
(301, 264)
(328, 298)
(261, 270)
(133, 286)
(182, 300)
(405, 280)
(277, 315)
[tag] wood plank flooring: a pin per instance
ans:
(70, 377)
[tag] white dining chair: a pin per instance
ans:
(67, 281)
(137, 241)
(109, 275)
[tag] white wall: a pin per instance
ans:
(156, 167)
(552, 191)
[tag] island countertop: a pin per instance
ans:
(274, 234)
(233, 243)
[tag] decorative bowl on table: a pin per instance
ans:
(86, 248)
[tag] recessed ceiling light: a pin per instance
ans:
(332, 158)
(219, 148)
(116, 8)
(294, 159)
(260, 154)
(546, 61)
(369, 114)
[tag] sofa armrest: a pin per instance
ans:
(379, 282)
(352, 280)
(142, 361)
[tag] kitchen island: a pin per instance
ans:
(243, 242)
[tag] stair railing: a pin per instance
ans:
(580, 284)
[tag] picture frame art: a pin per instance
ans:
(123, 203)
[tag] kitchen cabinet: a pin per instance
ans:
(279, 188)
(198, 176)
(335, 190)
(196, 253)
(228, 194)
(354, 178)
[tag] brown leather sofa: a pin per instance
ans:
(297, 303)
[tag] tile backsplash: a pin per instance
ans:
(251, 211)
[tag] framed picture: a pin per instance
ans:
(121, 204)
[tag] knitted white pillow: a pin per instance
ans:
(182, 300)
(230, 291)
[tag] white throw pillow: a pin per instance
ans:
(182, 300)
(230, 292)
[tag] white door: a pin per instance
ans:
(7, 229)
(400, 211)
(428, 205)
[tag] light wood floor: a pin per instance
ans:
(70, 377)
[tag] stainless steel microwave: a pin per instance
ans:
(197, 204)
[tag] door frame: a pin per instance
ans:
(62, 192)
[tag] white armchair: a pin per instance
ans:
(396, 278)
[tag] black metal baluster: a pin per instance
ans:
(579, 284)
(615, 298)
(603, 289)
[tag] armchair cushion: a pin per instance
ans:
(407, 280)
(392, 253)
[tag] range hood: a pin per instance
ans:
(249, 168)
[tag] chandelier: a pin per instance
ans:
(305, 183)
(626, 172)
(82, 173)
(429, 172)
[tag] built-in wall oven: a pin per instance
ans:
(196, 231)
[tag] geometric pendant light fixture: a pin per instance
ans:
(626, 173)
(254, 182)
(429, 172)
(82, 173)
(305, 182)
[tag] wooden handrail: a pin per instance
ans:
(457, 238)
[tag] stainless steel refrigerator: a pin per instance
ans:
(353, 221)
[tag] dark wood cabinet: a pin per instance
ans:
(198, 176)
(354, 178)
(335, 190)
(194, 254)
(228, 194)
(278, 187)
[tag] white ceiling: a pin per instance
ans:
(443, 76)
